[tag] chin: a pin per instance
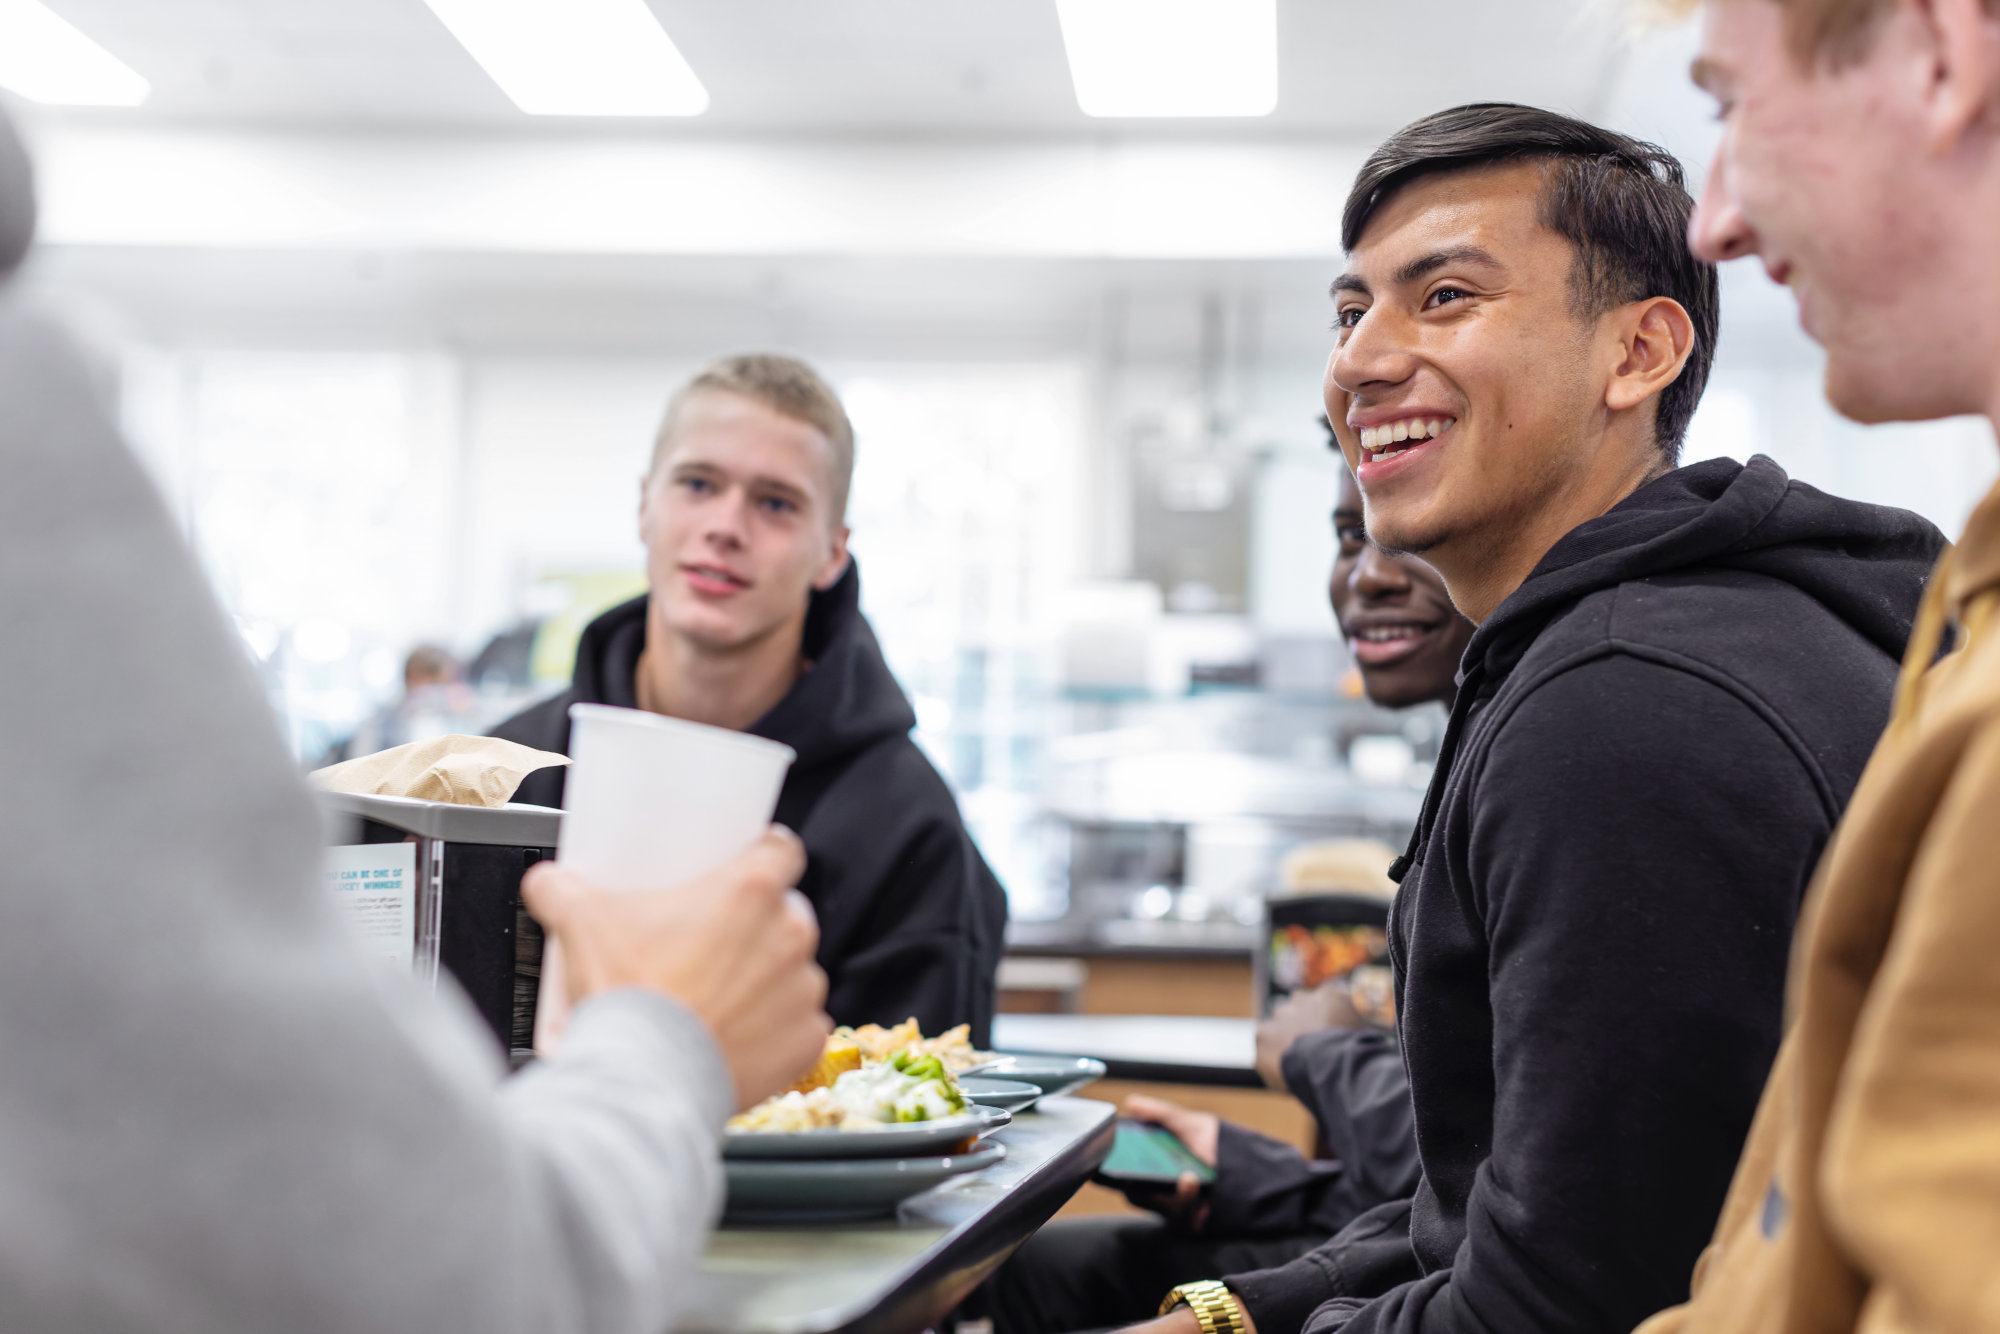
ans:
(1392, 687)
(1412, 539)
(702, 627)
(1865, 395)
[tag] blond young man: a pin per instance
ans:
(1861, 163)
(753, 622)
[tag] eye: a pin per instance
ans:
(700, 486)
(778, 505)
(1351, 536)
(1443, 295)
(1348, 316)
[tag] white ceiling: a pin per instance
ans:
(1348, 68)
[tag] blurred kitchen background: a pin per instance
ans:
(395, 349)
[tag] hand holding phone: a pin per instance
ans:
(1143, 1153)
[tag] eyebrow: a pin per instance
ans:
(1419, 267)
(1704, 72)
(754, 481)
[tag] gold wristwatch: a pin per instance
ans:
(1213, 1304)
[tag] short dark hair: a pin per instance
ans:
(1622, 203)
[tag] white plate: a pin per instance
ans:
(1050, 1074)
(906, 1139)
(1011, 1095)
(782, 1191)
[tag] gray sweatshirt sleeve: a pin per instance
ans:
(217, 1115)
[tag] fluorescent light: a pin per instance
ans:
(1172, 57)
(45, 59)
(576, 57)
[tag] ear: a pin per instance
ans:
(835, 563)
(1656, 337)
(1963, 37)
(645, 501)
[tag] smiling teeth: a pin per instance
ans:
(1376, 439)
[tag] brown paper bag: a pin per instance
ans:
(463, 770)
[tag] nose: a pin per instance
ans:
(726, 521)
(1718, 230)
(1378, 575)
(1375, 353)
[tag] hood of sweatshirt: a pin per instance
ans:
(1864, 563)
(846, 700)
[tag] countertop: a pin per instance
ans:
(1169, 1048)
(901, 1275)
(1128, 937)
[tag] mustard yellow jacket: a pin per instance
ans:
(1868, 1194)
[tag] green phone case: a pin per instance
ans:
(1143, 1152)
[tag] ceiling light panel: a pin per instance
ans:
(576, 57)
(1172, 57)
(44, 58)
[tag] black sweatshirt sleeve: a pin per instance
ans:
(1352, 1082)
(1370, 1255)
(1639, 846)
(1265, 1187)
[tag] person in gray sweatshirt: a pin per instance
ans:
(217, 1115)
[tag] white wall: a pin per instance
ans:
(553, 450)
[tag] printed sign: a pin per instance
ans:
(375, 885)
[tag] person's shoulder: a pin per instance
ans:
(1704, 611)
(1761, 638)
(543, 724)
(896, 769)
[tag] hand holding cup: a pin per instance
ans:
(735, 945)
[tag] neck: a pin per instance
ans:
(1482, 569)
(729, 688)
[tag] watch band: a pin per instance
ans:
(1213, 1304)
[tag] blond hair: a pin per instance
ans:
(788, 387)
(1819, 32)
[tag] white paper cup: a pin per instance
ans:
(650, 803)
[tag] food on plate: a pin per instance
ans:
(953, 1046)
(906, 1087)
(840, 1055)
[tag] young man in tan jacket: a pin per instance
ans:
(1861, 162)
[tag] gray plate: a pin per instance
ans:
(1050, 1074)
(796, 1191)
(908, 1139)
(1011, 1095)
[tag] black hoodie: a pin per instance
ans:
(910, 917)
(1653, 738)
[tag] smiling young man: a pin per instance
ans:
(1269, 1203)
(1394, 612)
(1676, 679)
(753, 622)
(1860, 160)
